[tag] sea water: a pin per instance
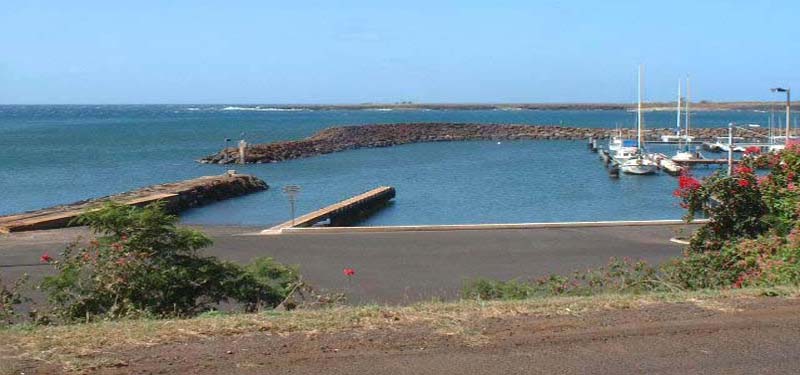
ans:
(59, 154)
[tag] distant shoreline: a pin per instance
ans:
(652, 106)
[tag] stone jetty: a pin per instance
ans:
(177, 196)
(368, 136)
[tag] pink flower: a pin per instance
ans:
(791, 186)
(349, 272)
(744, 183)
(45, 258)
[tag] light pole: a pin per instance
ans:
(788, 107)
(730, 149)
(291, 192)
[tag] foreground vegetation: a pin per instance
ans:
(142, 265)
(87, 345)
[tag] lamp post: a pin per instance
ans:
(291, 192)
(788, 107)
(730, 148)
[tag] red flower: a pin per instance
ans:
(741, 169)
(744, 183)
(688, 182)
(45, 258)
(349, 272)
(752, 150)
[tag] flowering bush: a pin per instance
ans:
(751, 236)
(734, 205)
(142, 264)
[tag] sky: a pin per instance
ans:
(337, 52)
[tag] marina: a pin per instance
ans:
(516, 181)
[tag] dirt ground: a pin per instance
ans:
(741, 336)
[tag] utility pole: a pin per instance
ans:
(788, 108)
(730, 149)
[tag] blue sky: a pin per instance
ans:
(102, 52)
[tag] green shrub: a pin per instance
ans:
(618, 276)
(10, 297)
(142, 264)
(486, 289)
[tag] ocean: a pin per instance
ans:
(53, 155)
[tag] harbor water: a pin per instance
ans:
(60, 154)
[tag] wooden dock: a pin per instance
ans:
(177, 196)
(705, 162)
(342, 213)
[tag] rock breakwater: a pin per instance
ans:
(369, 136)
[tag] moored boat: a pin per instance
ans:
(639, 163)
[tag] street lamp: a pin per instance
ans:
(291, 192)
(788, 107)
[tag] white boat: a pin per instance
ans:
(683, 153)
(676, 138)
(721, 144)
(639, 163)
(621, 149)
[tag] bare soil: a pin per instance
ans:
(717, 336)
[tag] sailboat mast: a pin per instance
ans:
(678, 117)
(678, 110)
(639, 111)
(688, 100)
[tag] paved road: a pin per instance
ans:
(397, 267)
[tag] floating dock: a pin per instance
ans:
(178, 196)
(692, 162)
(342, 213)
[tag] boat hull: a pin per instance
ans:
(639, 167)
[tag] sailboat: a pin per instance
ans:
(621, 149)
(639, 164)
(683, 153)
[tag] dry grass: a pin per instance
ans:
(79, 345)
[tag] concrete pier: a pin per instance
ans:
(343, 213)
(178, 196)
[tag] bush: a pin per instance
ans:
(618, 276)
(10, 297)
(142, 264)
